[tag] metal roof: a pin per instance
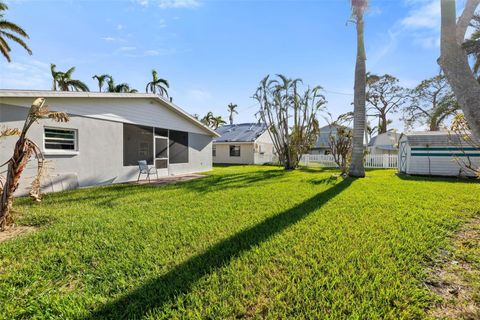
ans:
(433, 138)
(372, 141)
(323, 138)
(243, 132)
(8, 93)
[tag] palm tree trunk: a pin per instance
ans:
(454, 62)
(356, 167)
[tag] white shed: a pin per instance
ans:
(436, 153)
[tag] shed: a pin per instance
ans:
(436, 153)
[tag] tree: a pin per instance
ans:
(102, 79)
(157, 84)
(119, 88)
(217, 122)
(454, 61)
(460, 136)
(384, 96)
(232, 108)
(10, 31)
(290, 115)
(340, 143)
(64, 82)
(431, 103)
(357, 168)
(24, 150)
(208, 119)
(472, 45)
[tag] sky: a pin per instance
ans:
(214, 52)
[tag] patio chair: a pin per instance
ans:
(145, 169)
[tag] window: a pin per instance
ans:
(234, 151)
(214, 151)
(178, 152)
(137, 144)
(60, 139)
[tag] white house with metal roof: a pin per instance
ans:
(384, 143)
(108, 133)
(245, 143)
(436, 153)
(322, 144)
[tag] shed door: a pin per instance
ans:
(403, 157)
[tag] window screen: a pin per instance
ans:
(137, 144)
(214, 151)
(234, 151)
(161, 148)
(60, 139)
(178, 152)
(161, 132)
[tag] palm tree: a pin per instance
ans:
(232, 109)
(119, 88)
(208, 119)
(217, 122)
(11, 31)
(157, 84)
(64, 81)
(357, 168)
(101, 80)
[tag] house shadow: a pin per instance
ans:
(157, 292)
(425, 178)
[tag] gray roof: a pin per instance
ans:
(433, 139)
(11, 93)
(323, 137)
(242, 132)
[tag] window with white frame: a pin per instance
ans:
(60, 139)
(214, 151)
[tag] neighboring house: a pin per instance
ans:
(436, 153)
(384, 143)
(322, 145)
(108, 133)
(245, 143)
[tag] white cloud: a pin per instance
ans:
(425, 15)
(168, 4)
(108, 39)
(25, 73)
(120, 26)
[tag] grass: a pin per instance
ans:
(245, 242)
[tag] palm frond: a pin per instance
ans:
(5, 49)
(17, 40)
(7, 25)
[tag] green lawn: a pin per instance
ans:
(245, 242)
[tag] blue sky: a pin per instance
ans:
(214, 52)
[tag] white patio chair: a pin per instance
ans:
(145, 169)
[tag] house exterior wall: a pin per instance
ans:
(223, 153)
(99, 159)
(264, 150)
(384, 139)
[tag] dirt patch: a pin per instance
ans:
(15, 231)
(456, 277)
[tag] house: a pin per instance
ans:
(322, 145)
(436, 153)
(245, 143)
(108, 133)
(384, 143)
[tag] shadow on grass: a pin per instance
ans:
(407, 177)
(160, 291)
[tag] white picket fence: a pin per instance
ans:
(371, 161)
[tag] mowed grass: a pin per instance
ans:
(245, 242)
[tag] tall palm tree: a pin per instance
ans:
(102, 79)
(10, 31)
(217, 122)
(232, 109)
(357, 168)
(157, 84)
(119, 88)
(64, 82)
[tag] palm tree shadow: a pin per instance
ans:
(162, 290)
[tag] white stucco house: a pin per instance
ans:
(108, 133)
(384, 143)
(245, 143)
